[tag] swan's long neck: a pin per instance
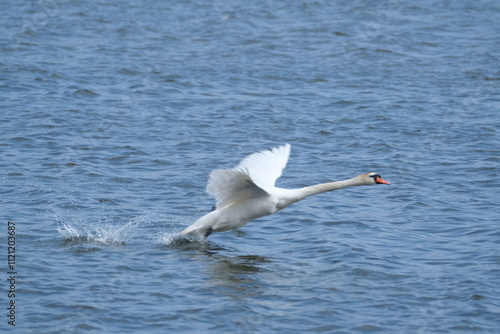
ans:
(324, 187)
(295, 195)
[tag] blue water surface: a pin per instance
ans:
(113, 114)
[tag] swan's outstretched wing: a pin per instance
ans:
(231, 186)
(255, 176)
(265, 167)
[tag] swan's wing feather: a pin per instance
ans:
(254, 177)
(265, 167)
(230, 186)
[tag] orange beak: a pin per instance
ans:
(380, 180)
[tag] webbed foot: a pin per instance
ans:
(208, 232)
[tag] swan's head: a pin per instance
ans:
(372, 178)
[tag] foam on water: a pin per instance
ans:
(174, 239)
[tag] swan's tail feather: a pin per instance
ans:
(203, 224)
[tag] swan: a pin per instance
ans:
(247, 191)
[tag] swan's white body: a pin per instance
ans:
(247, 192)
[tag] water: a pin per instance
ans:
(114, 114)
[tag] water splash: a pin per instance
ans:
(102, 232)
(107, 231)
(168, 238)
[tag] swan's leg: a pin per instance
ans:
(208, 232)
(214, 208)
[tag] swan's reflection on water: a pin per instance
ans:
(238, 275)
(242, 278)
(240, 264)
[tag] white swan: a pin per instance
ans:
(247, 192)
